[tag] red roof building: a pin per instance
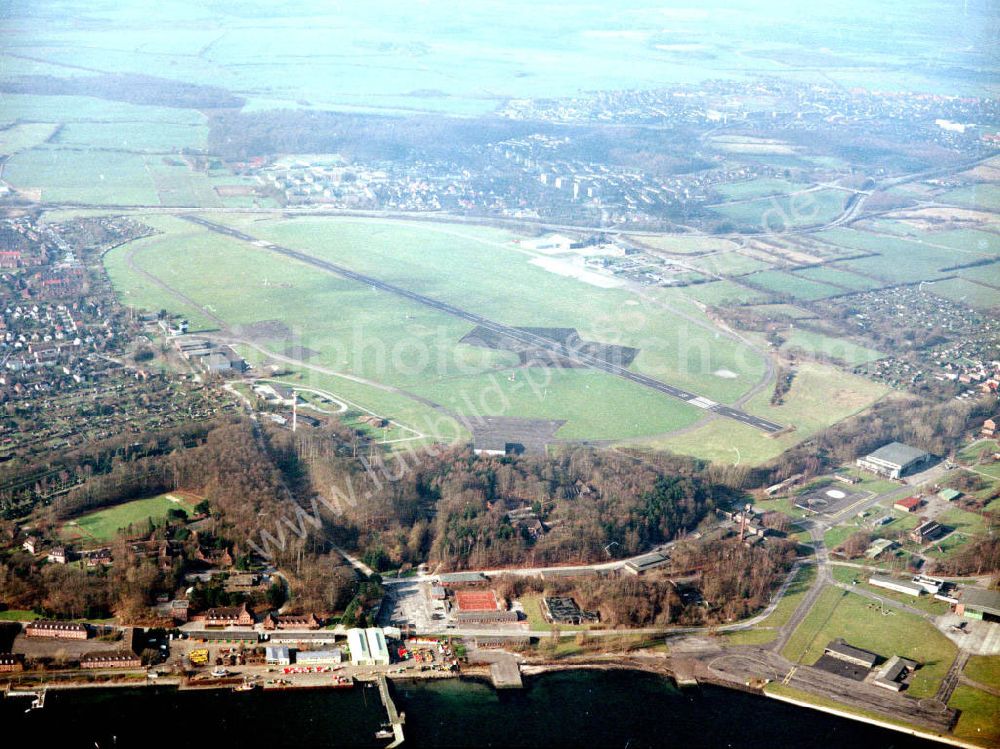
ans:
(909, 504)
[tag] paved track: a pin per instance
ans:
(529, 339)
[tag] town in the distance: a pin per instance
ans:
(365, 375)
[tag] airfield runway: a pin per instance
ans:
(526, 337)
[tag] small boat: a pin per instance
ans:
(383, 734)
(219, 672)
(246, 686)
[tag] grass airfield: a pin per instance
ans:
(353, 330)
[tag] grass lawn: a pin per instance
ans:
(985, 669)
(782, 504)
(962, 521)
(766, 631)
(820, 395)
(948, 546)
(978, 719)
(796, 592)
(838, 613)
(102, 526)
(18, 615)
(836, 536)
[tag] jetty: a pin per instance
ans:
(395, 718)
(39, 696)
(506, 674)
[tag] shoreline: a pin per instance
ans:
(478, 674)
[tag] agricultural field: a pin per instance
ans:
(964, 290)
(21, 137)
(758, 188)
(899, 260)
(783, 310)
(839, 613)
(728, 264)
(683, 244)
(811, 343)
(720, 293)
(983, 197)
(108, 178)
(779, 213)
(792, 284)
(102, 526)
(844, 280)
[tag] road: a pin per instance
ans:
(527, 338)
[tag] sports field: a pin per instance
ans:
(103, 525)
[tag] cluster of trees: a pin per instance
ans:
(981, 556)
(133, 88)
(733, 580)
(453, 509)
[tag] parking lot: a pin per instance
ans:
(409, 603)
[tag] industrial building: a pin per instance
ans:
(319, 657)
(926, 532)
(454, 579)
(277, 655)
(842, 651)
(368, 647)
(979, 604)
(59, 630)
(880, 546)
(645, 563)
(357, 643)
(122, 659)
(894, 460)
(900, 586)
(377, 647)
(932, 585)
(892, 675)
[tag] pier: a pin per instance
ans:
(395, 719)
(506, 674)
